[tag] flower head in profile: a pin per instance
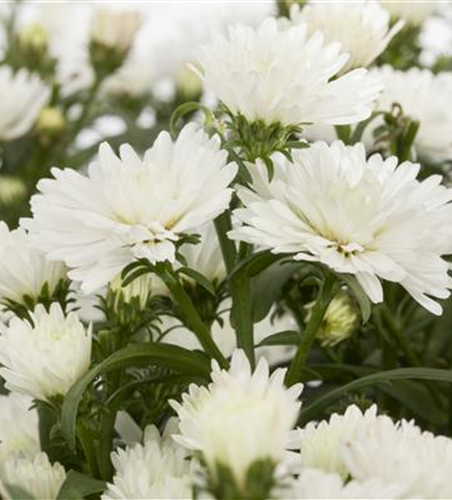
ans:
(24, 270)
(414, 13)
(34, 476)
(423, 97)
(22, 97)
(156, 469)
(241, 419)
(19, 428)
(368, 217)
(128, 208)
(282, 76)
(362, 27)
(43, 358)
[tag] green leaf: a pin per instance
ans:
(255, 264)
(168, 356)
(188, 108)
(77, 486)
(199, 278)
(311, 411)
(18, 493)
(287, 337)
(362, 299)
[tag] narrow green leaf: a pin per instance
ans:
(199, 278)
(187, 108)
(362, 299)
(77, 486)
(313, 410)
(287, 337)
(255, 264)
(165, 355)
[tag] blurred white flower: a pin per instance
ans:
(399, 453)
(128, 207)
(424, 97)
(22, 96)
(35, 476)
(44, 359)
(114, 28)
(320, 442)
(19, 430)
(280, 75)
(314, 483)
(367, 217)
(412, 11)
(24, 270)
(240, 418)
(156, 469)
(362, 27)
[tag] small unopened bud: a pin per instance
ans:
(51, 122)
(139, 289)
(33, 39)
(340, 320)
(12, 190)
(188, 84)
(112, 36)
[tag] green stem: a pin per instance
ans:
(242, 315)
(89, 448)
(192, 317)
(317, 315)
(223, 225)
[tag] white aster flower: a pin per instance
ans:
(280, 75)
(240, 418)
(22, 96)
(156, 469)
(367, 217)
(412, 11)
(44, 359)
(129, 208)
(423, 96)
(314, 483)
(399, 453)
(362, 27)
(19, 428)
(24, 270)
(320, 441)
(36, 476)
(114, 28)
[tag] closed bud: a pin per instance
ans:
(51, 121)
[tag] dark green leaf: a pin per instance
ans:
(77, 486)
(287, 337)
(168, 356)
(199, 278)
(362, 299)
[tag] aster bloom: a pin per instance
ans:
(423, 96)
(45, 358)
(155, 469)
(24, 270)
(368, 217)
(240, 419)
(282, 76)
(399, 452)
(129, 208)
(19, 430)
(362, 27)
(414, 13)
(36, 476)
(23, 95)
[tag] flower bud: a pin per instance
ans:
(188, 84)
(51, 121)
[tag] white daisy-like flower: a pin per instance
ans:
(314, 483)
(129, 208)
(362, 27)
(413, 12)
(240, 418)
(423, 96)
(23, 95)
(24, 270)
(320, 441)
(114, 28)
(156, 469)
(36, 476)
(19, 428)
(45, 358)
(281, 75)
(368, 217)
(399, 453)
